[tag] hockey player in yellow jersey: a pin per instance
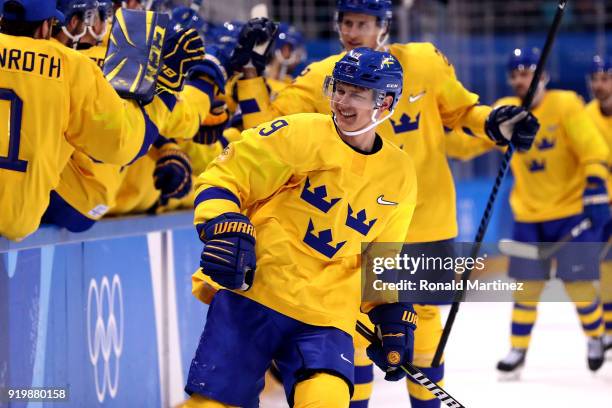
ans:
(201, 145)
(433, 98)
(282, 214)
(600, 112)
(45, 127)
(558, 183)
(87, 189)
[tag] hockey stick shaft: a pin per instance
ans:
(414, 372)
(503, 169)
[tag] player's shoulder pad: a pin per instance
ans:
(424, 52)
(321, 68)
(566, 99)
(133, 58)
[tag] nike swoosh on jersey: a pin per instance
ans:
(345, 359)
(416, 97)
(380, 200)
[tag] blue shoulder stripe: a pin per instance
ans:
(216, 193)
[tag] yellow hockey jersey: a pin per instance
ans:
(432, 98)
(53, 100)
(604, 125)
(91, 188)
(313, 200)
(550, 177)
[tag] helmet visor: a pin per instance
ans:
(342, 93)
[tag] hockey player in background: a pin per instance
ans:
(51, 106)
(600, 112)
(282, 214)
(558, 183)
(87, 189)
(433, 98)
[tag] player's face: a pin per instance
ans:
(358, 30)
(352, 106)
(519, 81)
(286, 51)
(601, 85)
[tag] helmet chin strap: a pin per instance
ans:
(365, 129)
(76, 37)
(382, 38)
(97, 37)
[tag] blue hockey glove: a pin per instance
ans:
(512, 124)
(229, 250)
(214, 124)
(255, 45)
(183, 49)
(172, 174)
(596, 202)
(395, 325)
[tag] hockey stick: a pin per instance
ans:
(486, 217)
(414, 372)
(538, 252)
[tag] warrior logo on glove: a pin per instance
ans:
(233, 226)
(229, 250)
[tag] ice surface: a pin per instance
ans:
(555, 375)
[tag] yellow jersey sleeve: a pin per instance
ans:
(457, 106)
(462, 146)
(247, 171)
(100, 123)
(587, 141)
(604, 125)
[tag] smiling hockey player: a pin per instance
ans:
(305, 185)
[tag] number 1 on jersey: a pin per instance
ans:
(12, 161)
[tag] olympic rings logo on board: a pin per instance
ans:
(105, 333)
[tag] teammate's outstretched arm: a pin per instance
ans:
(459, 109)
(102, 124)
(302, 95)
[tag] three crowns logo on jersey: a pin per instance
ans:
(323, 241)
